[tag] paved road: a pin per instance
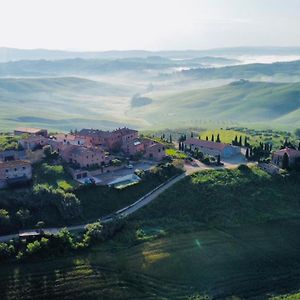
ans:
(126, 211)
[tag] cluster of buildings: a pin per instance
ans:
(82, 149)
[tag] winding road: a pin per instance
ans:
(128, 210)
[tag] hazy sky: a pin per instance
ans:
(148, 24)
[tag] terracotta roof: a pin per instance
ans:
(125, 131)
(14, 163)
(93, 132)
(290, 152)
(29, 130)
(206, 144)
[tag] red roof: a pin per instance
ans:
(290, 152)
(206, 144)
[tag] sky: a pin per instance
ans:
(96, 25)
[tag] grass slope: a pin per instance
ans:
(63, 103)
(184, 244)
(242, 101)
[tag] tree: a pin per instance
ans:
(170, 139)
(4, 220)
(218, 138)
(240, 141)
(297, 132)
(192, 134)
(219, 159)
(206, 138)
(23, 215)
(285, 161)
(212, 138)
(247, 153)
(47, 151)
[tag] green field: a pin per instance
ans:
(244, 102)
(218, 233)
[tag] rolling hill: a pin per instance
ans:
(241, 101)
(62, 103)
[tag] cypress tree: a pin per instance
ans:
(170, 139)
(240, 141)
(285, 161)
(247, 153)
(192, 134)
(219, 159)
(207, 138)
(218, 138)
(212, 138)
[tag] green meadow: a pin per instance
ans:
(230, 234)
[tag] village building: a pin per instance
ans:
(109, 140)
(31, 131)
(8, 155)
(14, 172)
(155, 151)
(133, 147)
(84, 157)
(95, 137)
(33, 142)
(293, 155)
(70, 139)
(211, 148)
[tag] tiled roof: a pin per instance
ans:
(206, 144)
(29, 130)
(93, 132)
(290, 152)
(14, 163)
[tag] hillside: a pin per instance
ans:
(13, 54)
(241, 101)
(63, 103)
(279, 70)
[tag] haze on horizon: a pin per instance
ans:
(95, 25)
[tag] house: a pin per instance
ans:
(292, 154)
(126, 135)
(95, 137)
(133, 147)
(212, 148)
(14, 172)
(108, 140)
(153, 150)
(31, 131)
(70, 139)
(84, 157)
(33, 142)
(8, 155)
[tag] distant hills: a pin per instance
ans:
(63, 89)
(12, 54)
(279, 69)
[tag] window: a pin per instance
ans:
(23, 168)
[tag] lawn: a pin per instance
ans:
(176, 154)
(255, 137)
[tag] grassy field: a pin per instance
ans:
(260, 103)
(217, 233)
